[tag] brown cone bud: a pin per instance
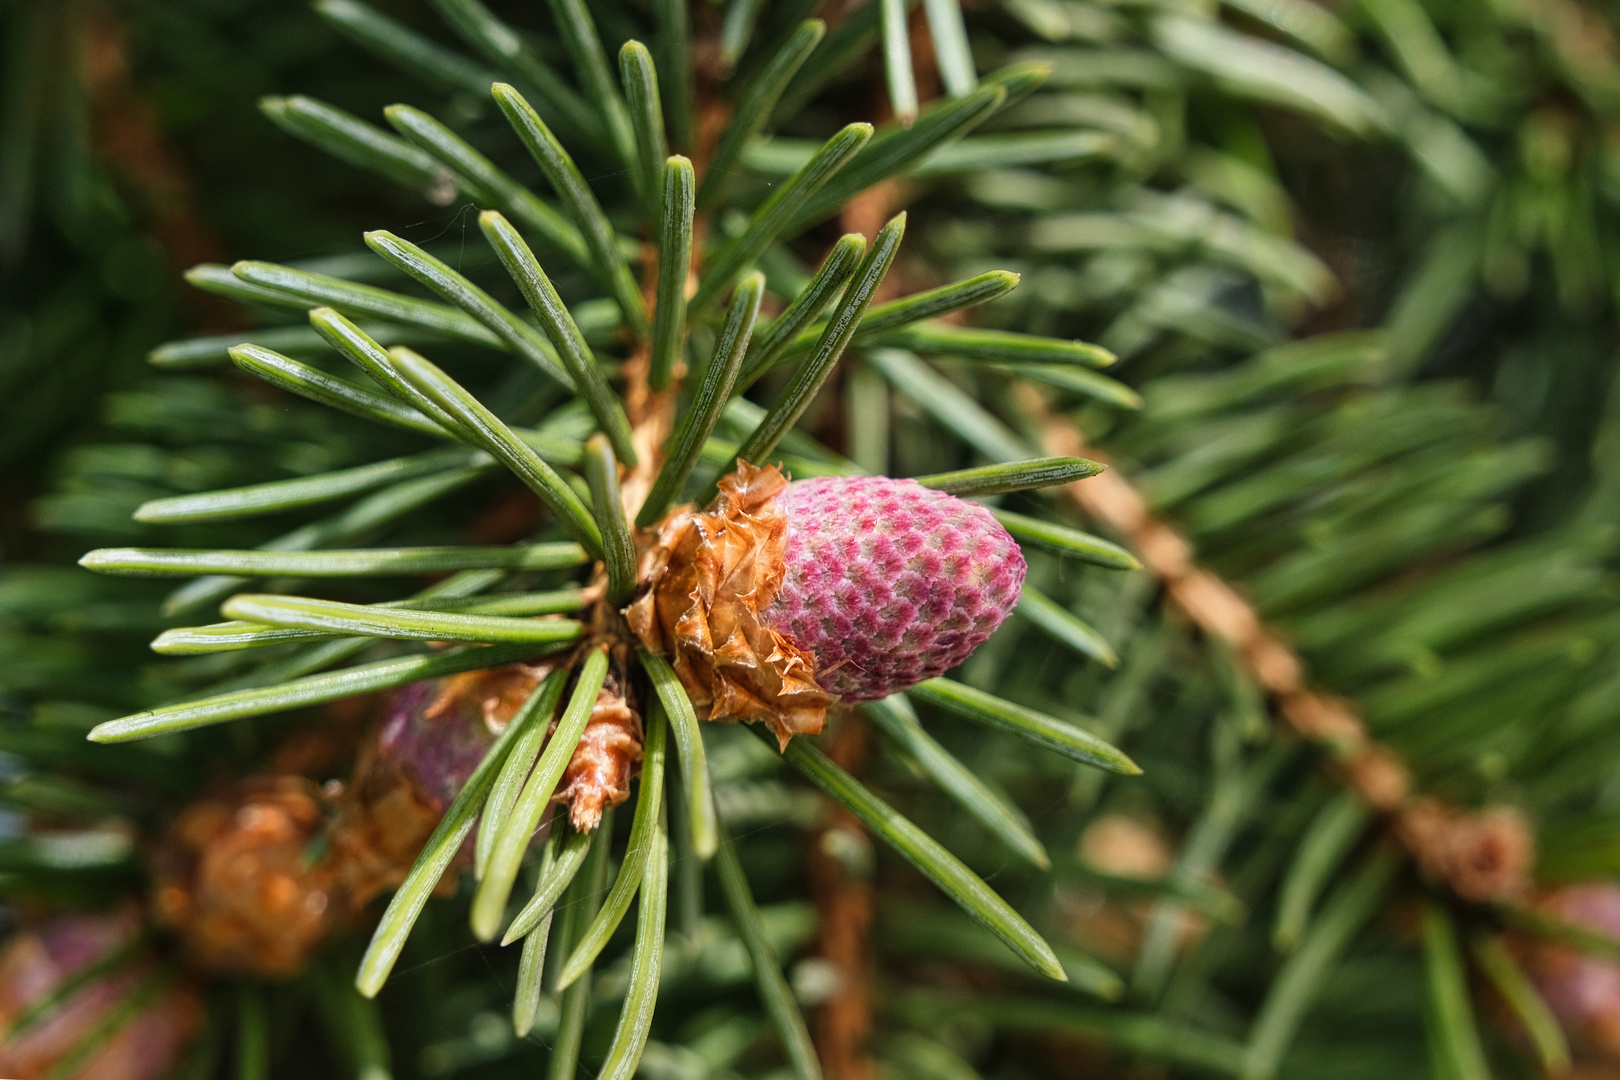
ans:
(235, 882)
(712, 573)
(598, 775)
(1484, 855)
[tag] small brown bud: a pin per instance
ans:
(233, 879)
(598, 775)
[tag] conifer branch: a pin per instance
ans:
(1482, 856)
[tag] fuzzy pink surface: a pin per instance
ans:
(1582, 990)
(440, 751)
(33, 964)
(889, 583)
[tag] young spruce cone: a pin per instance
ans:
(256, 878)
(57, 1042)
(433, 736)
(1582, 990)
(234, 878)
(437, 732)
(781, 599)
(430, 740)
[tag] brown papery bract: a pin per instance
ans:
(598, 775)
(708, 575)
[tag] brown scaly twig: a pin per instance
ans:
(842, 887)
(1482, 856)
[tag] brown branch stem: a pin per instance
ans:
(840, 882)
(1482, 855)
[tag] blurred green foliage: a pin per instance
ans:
(1356, 262)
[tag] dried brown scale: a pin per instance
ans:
(598, 775)
(710, 575)
(1483, 855)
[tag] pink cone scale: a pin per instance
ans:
(780, 600)
(887, 583)
(438, 731)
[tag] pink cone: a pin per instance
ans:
(889, 583)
